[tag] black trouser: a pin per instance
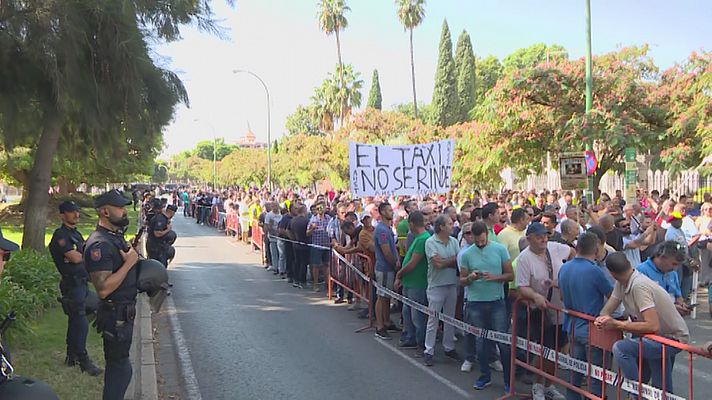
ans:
(186, 208)
(268, 252)
(158, 254)
(116, 324)
(301, 259)
(289, 252)
(74, 294)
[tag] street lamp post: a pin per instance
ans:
(215, 168)
(269, 125)
(589, 91)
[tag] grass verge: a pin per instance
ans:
(40, 354)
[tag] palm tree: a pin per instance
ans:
(332, 20)
(331, 97)
(411, 14)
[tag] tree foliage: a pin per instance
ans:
(487, 73)
(543, 108)
(204, 149)
(445, 100)
(374, 95)
(302, 121)
(465, 70)
(532, 56)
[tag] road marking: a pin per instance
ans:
(191, 382)
(425, 369)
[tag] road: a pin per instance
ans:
(241, 333)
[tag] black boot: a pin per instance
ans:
(71, 359)
(88, 366)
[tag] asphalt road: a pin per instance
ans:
(241, 333)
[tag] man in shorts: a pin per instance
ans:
(387, 263)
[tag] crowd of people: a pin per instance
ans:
(636, 258)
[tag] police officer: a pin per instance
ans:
(66, 248)
(159, 227)
(110, 261)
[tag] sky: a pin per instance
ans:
(280, 41)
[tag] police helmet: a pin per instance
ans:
(170, 237)
(152, 276)
(171, 253)
(156, 203)
(20, 388)
(91, 303)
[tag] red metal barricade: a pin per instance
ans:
(257, 238)
(352, 272)
(232, 225)
(611, 383)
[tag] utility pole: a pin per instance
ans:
(589, 91)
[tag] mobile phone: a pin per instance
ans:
(692, 306)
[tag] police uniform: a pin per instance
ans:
(117, 311)
(74, 289)
(156, 247)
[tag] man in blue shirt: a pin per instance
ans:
(387, 263)
(668, 256)
(584, 287)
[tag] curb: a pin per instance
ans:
(144, 382)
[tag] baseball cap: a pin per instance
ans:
(674, 215)
(111, 198)
(536, 228)
(6, 244)
(68, 206)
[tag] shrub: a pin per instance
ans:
(29, 286)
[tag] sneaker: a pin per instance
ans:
(275, 272)
(482, 382)
(295, 284)
(466, 366)
(393, 327)
(419, 351)
(339, 300)
(552, 394)
(383, 334)
(453, 354)
(496, 365)
(506, 388)
(301, 285)
(283, 276)
(316, 287)
(538, 392)
(428, 359)
(407, 345)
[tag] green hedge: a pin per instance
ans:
(29, 286)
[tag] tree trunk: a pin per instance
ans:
(412, 74)
(341, 78)
(65, 186)
(38, 192)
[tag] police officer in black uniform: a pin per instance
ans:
(158, 229)
(66, 248)
(110, 261)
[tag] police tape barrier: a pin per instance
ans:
(582, 367)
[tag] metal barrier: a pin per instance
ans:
(352, 272)
(257, 238)
(600, 341)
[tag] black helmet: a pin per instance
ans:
(91, 303)
(156, 203)
(20, 388)
(171, 253)
(170, 237)
(152, 276)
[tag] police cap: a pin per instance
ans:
(68, 206)
(111, 198)
(156, 203)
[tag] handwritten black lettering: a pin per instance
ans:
(359, 156)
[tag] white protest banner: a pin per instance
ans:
(402, 170)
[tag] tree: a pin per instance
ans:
(687, 89)
(411, 14)
(543, 108)
(488, 72)
(204, 149)
(426, 112)
(330, 98)
(465, 69)
(532, 56)
(374, 95)
(445, 100)
(302, 121)
(85, 68)
(332, 20)
(243, 167)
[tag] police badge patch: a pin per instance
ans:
(96, 254)
(61, 242)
